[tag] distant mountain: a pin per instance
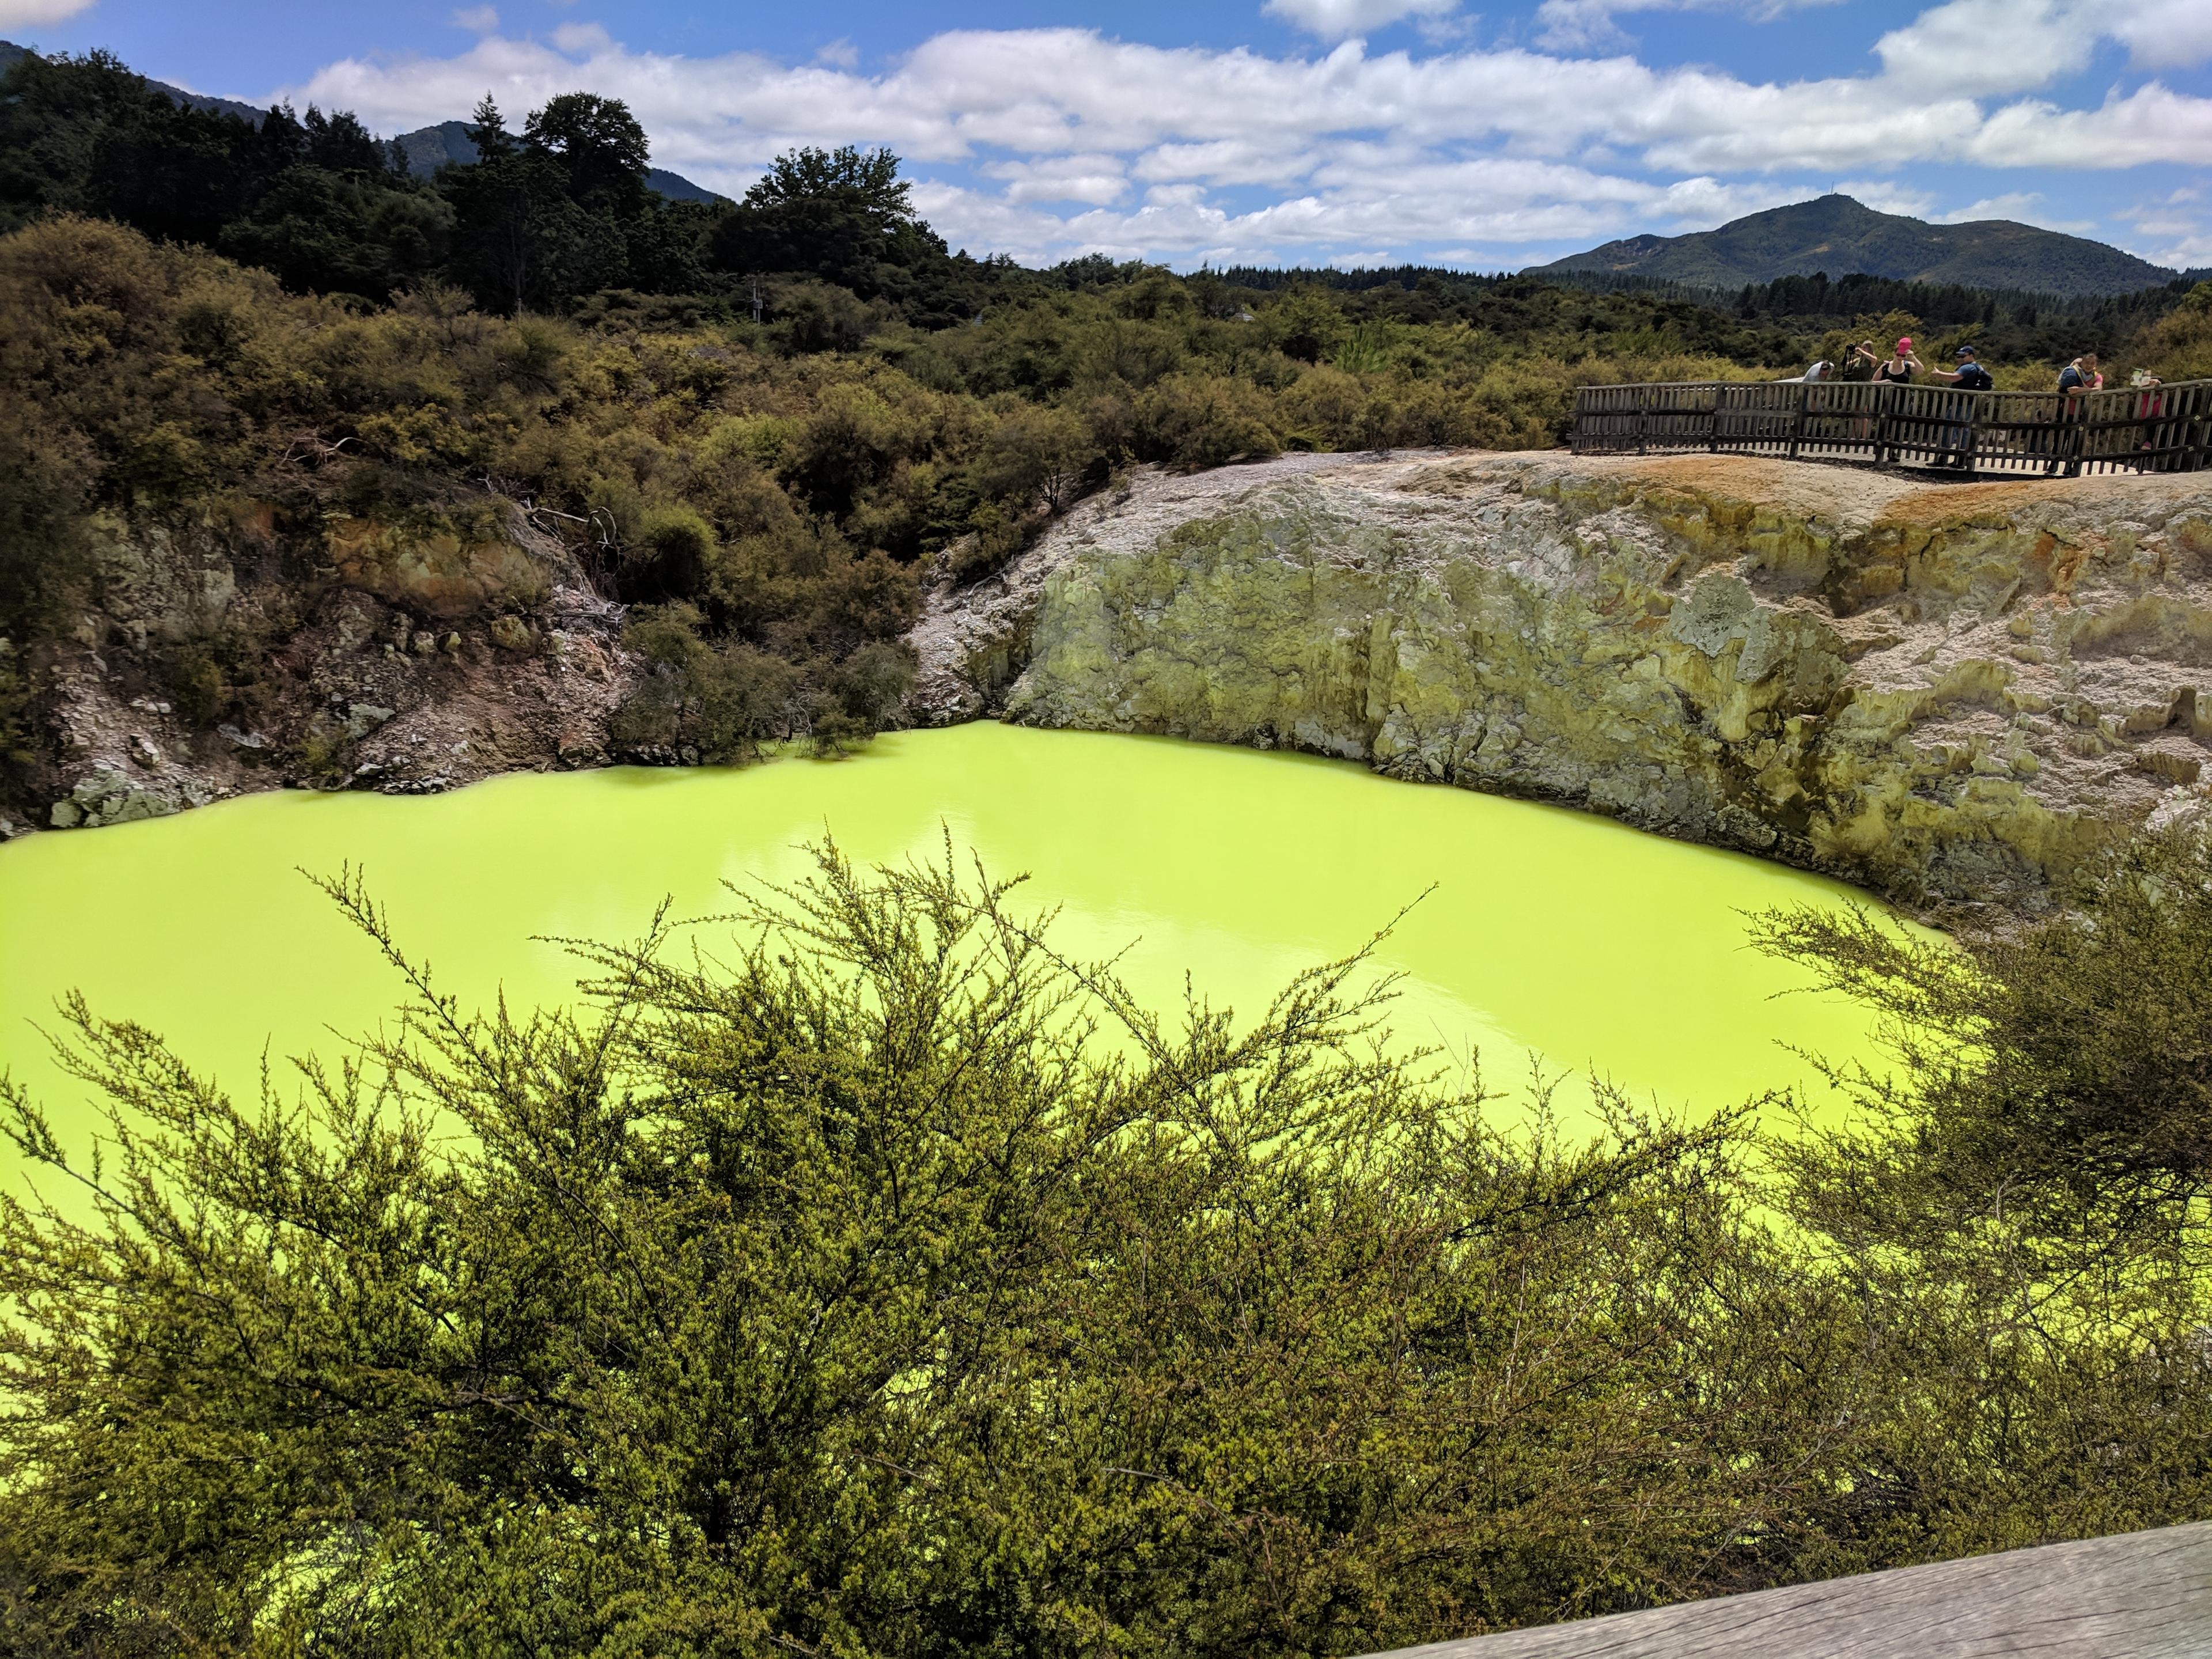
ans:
(427, 148)
(1838, 235)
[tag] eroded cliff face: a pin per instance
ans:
(1944, 691)
(373, 656)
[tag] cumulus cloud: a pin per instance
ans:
(33, 14)
(1578, 25)
(1043, 142)
(1338, 20)
(2175, 228)
(1997, 46)
(1097, 179)
(477, 19)
(2162, 34)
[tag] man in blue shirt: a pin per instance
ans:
(1958, 440)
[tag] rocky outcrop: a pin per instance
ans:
(1946, 692)
(373, 656)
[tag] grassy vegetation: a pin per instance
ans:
(840, 1297)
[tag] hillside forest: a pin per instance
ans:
(758, 424)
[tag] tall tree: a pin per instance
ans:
(556, 214)
(846, 217)
(487, 131)
(600, 147)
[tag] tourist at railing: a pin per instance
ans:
(2150, 409)
(2078, 378)
(1958, 440)
(1859, 368)
(1900, 368)
(1970, 375)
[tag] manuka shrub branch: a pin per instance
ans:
(860, 1275)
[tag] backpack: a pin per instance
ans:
(1974, 378)
(2070, 378)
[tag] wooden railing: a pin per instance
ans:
(2165, 428)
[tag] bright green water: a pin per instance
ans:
(1598, 947)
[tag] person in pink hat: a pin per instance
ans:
(1900, 368)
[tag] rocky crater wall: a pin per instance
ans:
(1947, 692)
(375, 658)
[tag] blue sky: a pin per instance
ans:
(1302, 131)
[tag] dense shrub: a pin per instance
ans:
(879, 1282)
(2178, 346)
(2061, 1072)
(719, 704)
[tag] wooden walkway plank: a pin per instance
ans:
(2140, 1595)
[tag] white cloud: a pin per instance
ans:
(1338, 19)
(1239, 153)
(31, 14)
(1984, 48)
(1097, 179)
(477, 19)
(1577, 25)
(2173, 231)
(1887, 196)
(2164, 33)
(1996, 46)
(583, 39)
(2013, 204)
(2153, 124)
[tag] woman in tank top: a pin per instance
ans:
(1900, 369)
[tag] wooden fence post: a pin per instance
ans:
(1797, 421)
(1884, 395)
(1643, 420)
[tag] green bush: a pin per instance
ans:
(2060, 1072)
(878, 1281)
(1192, 422)
(721, 701)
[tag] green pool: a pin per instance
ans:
(1593, 947)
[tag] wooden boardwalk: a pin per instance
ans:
(2165, 428)
(2141, 1596)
